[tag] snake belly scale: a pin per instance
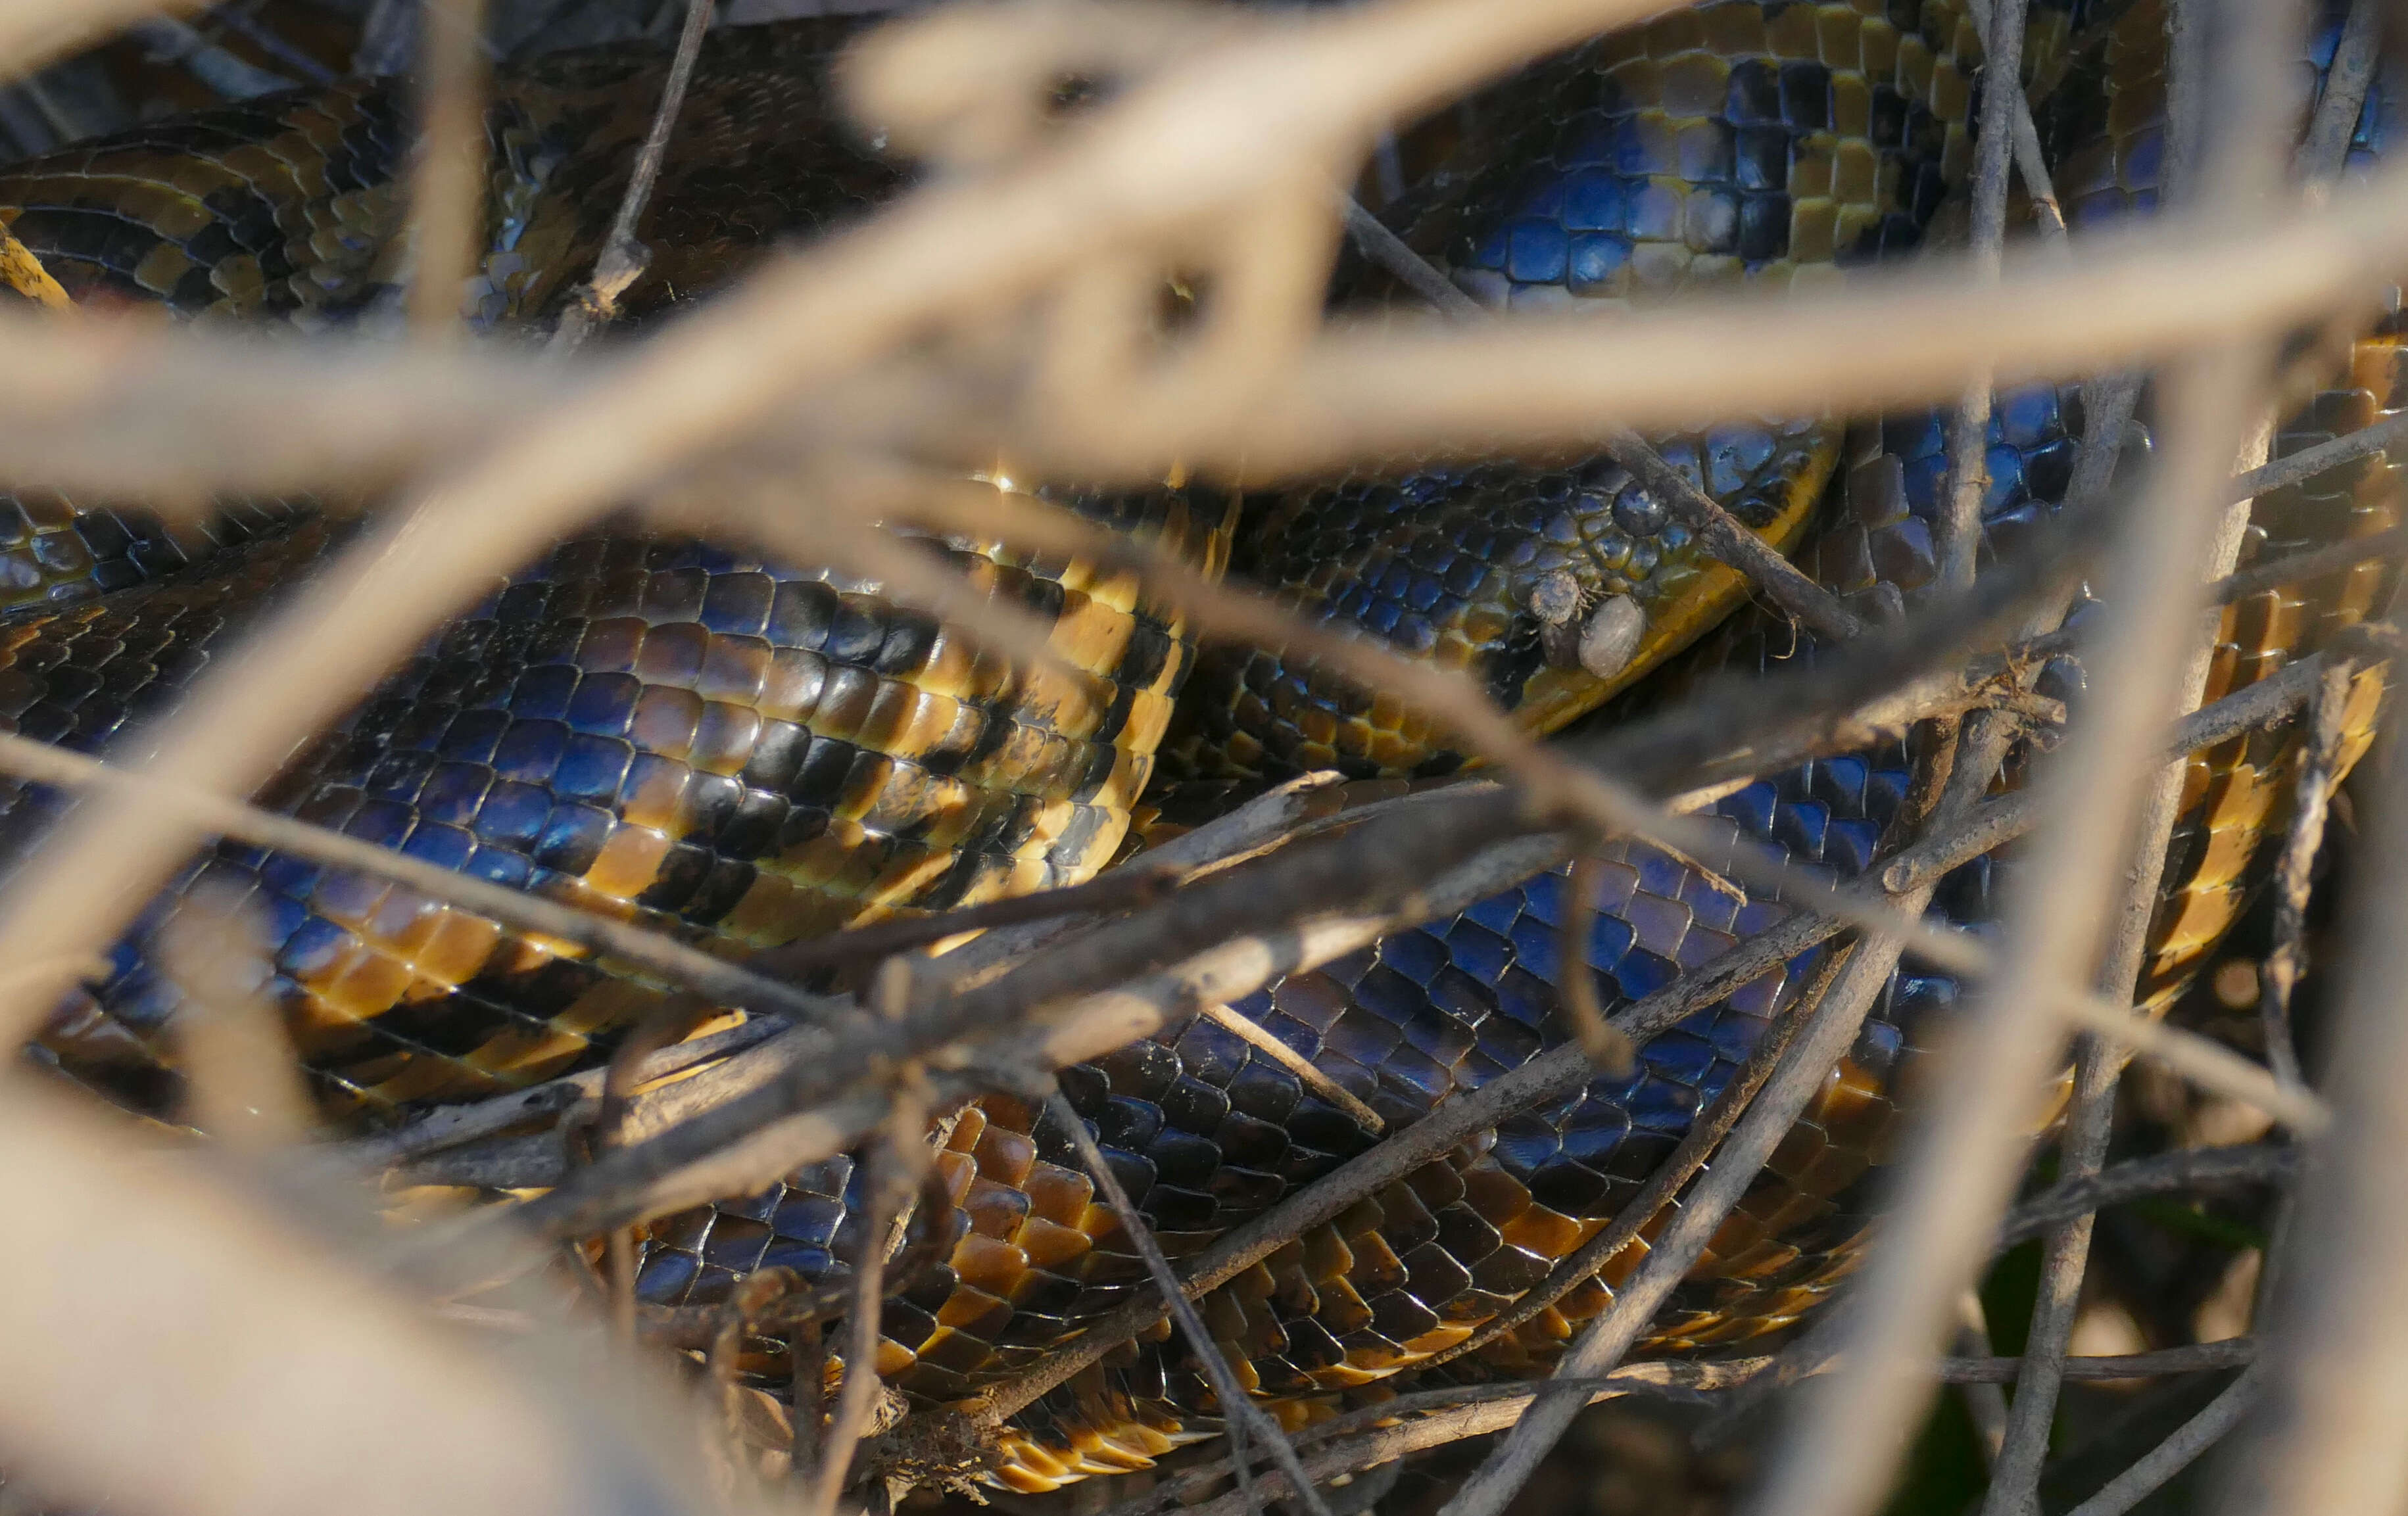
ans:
(744, 751)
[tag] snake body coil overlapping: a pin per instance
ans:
(746, 752)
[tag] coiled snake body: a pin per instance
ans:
(748, 751)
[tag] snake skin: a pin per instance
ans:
(688, 734)
(1775, 145)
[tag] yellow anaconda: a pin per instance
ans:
(746, 752)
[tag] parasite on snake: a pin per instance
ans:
(746, 752)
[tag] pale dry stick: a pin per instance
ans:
(2324, 149)
(2319, 762)
(1959, 534)
(806, 1373)
(1454, 1122)
(2254, 51)
(754, 1294)
(1719, 533)
(1235, 1403)
(2312, 564)
(1724, 535)
(1257, 826)
(901, 1153)
(623, 259)
(142, 411)
(1048, 1009)
(1519, 383)
(450, 1125)
(2010, 816)
(2031, 162)
(447, 177)
(1987, 1404)
(1162, 153)
(136, 1247)
(1415, 1422)
(1549, 1076)
(1103, 1020)
(1967, 1151)
(2177, 1451)
(42, 32)
(243, 1087)
(1323, 1087)
(2327, 1438)
(1141, 882)
(535, 914)
(652, 1035)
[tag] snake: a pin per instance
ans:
(695, 735)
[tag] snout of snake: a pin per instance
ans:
(746, 752)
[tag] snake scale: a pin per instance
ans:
(745, 751)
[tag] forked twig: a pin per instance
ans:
(2279, 974)
(624, 260)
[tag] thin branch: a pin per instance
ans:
(2176, 1452)
(450, 1125)
(2299, 567)
(624, 260)
(2279, 974)
(894, 1171)
(2183, 1171)
(141, 401)
(2324, 150)
(1321, 1086)
(1959, 534)
(1724, 535)
(2030, 161)
(1235, 1403)
(1142, 883)
(1481, 1410)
